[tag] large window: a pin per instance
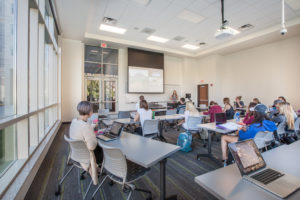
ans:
(7, 147)
(7, 57)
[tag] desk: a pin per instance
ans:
(145, 152)
(125, 121)
(213, 128)
(227, 182)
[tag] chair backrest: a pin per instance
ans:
(192, 122)
(181, 111)
(103, 111)
(297, 125)
(281, 128)
(150, 126)
(123, 114)
(114, 161)
(79, 150)
(261, 138)
(171, 112)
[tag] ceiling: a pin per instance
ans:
(80, 19)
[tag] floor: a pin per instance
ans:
(181, 170)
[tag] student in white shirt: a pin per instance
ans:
(80, 129)
(137, 106)
(142, 114)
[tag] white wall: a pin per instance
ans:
(72, 77)
(265, 72)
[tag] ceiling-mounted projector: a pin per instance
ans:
(224, 31)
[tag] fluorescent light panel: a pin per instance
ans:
(157, 39)
(189, 46)
(113, 29)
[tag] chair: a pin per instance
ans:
(192, 126)
(297, 126)
(121, 170)
(79, 153)
(150, 128)
(170, 121)
(123, 114)
(263, 139)
(281, 129)
(181, 111)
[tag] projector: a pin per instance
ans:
(225, 32)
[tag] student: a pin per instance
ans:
(213, 109)
(274, 110)
(228, 109)
(190, 110)
(260, 123)
(181, 105)
(282, 98)
(238, 102)
(137, 106)
(286, 113)
(256, 100)
(249, 114)
(144, 113)
(174, 96)
(80, 129)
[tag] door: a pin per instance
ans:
(202, 94)
(93, 92)
(109, 96)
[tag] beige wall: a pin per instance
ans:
(72, 58)
(265, 72)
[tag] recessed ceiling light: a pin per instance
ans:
(189, 46)
(113, 29)
(157, 39)
(190, 16)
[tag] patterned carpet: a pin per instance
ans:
(181, 170)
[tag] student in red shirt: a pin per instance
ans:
(249, 114)
(214, 108)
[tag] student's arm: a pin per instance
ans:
(226, 107)
(90, 138)
(137, 117)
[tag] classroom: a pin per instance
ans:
(149, 99)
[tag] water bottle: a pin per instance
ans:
(237, 116)
(153, 114)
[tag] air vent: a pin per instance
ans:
(202, 43)
(148, 30)
(109, 21)
(178, 38)
(246, 27)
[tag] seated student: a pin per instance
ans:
(80, 129)
(260, 123)
(144, 113)
(286, 113)
(181, 105)
(249, 114)
(274, 110)
(190, 110)
(213, 109)
(228, 109)
(282, 98)
(238, 102)
(137, 106)
(256, 100)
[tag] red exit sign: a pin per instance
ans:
(103, 45)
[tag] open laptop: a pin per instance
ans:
(220, 118)
(253, 168)
(113, 133)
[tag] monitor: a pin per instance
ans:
(247, 156)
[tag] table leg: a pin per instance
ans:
(209, 154)
(161, 129)
(163, 182)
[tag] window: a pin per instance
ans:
(7, 147)
(7, 58)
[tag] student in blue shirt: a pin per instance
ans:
(260, 123)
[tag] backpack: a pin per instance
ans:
(184, 140)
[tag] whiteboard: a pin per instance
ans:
(145, 80)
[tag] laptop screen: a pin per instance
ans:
(220, 118)
(116, 128)
(247, 156)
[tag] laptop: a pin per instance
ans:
(113, 133)
(220, 118)
(253, 168)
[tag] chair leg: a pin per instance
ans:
(129, 195)
(145, 191)
(62, 180)
(99, 187)
(87, 190)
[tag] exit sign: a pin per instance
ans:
(103, 45)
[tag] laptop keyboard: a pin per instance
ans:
(267, 176)
(109, 136)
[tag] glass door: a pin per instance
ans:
(109, 100)
(93, 92)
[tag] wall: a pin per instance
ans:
(72, 77)
(265, 72)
